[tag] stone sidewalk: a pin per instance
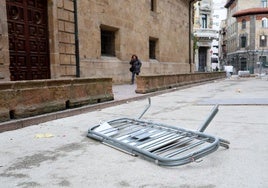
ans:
(57, 153)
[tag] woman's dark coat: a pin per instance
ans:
(135, 66)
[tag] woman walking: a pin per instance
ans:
(135, 67)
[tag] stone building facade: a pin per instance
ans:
(67, 38)
(247, 35)
(203, 35)
(222, 44)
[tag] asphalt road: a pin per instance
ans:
(58, 154)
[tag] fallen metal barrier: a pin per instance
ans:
(165, 145)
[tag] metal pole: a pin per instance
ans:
(149, 100)
(209, 118)
(77, 58)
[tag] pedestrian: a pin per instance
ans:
(135, 67)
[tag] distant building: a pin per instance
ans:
(218, 14)
(246, 35)
(203, 35)
(68, 38)
(222, 45)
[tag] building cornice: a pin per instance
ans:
(251, 11)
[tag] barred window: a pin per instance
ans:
(264, 3)
(204, 20)
(243, 42)
(263, 59)
(107, 43)
(264, 22)
(263, 41)
(244, 24)
(152, 49)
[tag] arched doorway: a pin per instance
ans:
(28, 39)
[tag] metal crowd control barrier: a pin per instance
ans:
(165, 145)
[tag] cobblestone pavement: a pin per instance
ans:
(58, 154)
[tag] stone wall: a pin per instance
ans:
(4, 53)
(66, 38)
(61, 25)
(21, 99)
(147, 84)
(134, 24)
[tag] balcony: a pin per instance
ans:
(206, 34)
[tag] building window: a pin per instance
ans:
(243, 62)
(264, 22)
(152, 48)
(244, 24)
(214, 60)
(243, 42)
(204, 21)
(264, 3)
(153, 5)
(263, 41)
(262, 59)
(107, 42)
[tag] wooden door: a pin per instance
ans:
(202, 59)
(28, 39)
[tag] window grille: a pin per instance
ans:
(107, 43)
